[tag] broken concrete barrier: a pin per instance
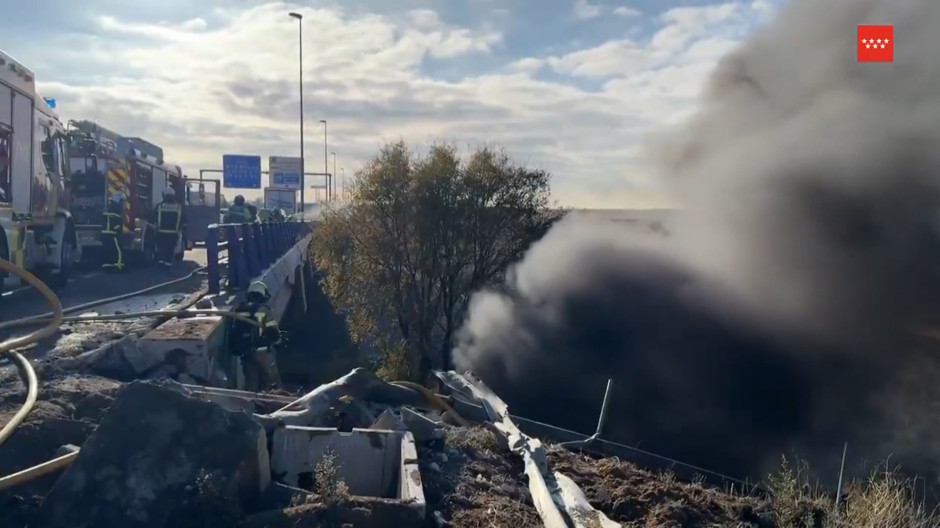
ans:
(161, 458)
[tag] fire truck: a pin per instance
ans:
(104, 163)
(37, 232)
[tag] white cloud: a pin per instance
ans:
(625, 11)
(583, 10)
(527, 65)
(202, 90)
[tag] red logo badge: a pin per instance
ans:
(875, 43)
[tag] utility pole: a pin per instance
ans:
(326, 164)
(303, 169)
(333, 174)
(342, 170)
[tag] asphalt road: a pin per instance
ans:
(91, 285)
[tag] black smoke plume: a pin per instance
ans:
(785, 302)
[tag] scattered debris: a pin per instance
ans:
(157, 458)
(169, 455)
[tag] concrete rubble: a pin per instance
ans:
(166, 455)
(157, 459)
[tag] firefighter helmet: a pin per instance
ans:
(117, 197)
(169, 193)
(258, 292)
(239, 200)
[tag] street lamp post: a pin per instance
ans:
(300, 38)
(333, 174)
(326, 164)
(342, 171)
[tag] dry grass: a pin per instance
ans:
(884, 501)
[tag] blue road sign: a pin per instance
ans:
(241, 172)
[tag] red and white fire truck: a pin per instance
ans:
(36, 228)
(104, 163)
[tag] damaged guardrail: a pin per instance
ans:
(250, 249)
(559, 501)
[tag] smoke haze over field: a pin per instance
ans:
(782, 301)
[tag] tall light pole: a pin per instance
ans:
(300, 39)
(342, 171)
(333, 174)
(326, 164)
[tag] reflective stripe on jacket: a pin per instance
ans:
(169, 216)
(112, 223)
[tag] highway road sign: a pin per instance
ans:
(285, 199)
(285, 171)
(241, 172)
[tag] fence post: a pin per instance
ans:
(212, 258)
(258, 236)
(237, 269)
(251, 251)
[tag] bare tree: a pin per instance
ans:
(418, 236)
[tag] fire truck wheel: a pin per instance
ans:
(5, 255)
(66, 254)
(149, 249)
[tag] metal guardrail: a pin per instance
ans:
(250, 249)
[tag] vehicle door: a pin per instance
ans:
(202, 207)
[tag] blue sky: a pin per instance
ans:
(571, 86)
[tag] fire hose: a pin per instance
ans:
(53, 320)
(8, 347)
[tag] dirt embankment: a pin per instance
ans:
(67, 412)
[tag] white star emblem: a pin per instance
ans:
(868, 46)
(887, 41)
(879, 41)
(882, 46)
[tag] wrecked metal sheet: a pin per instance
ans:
(559, 501)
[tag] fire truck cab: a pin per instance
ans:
(104, 163)
(36, 228)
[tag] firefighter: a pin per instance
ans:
(238, 213)
(168, 218)
(256, 344)
(111, 232)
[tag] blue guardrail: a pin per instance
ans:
(249, 250)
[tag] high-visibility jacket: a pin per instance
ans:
(169, 217)
(237, 214)
(113, 219)
(266, 334)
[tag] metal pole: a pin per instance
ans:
(303, 169)
(845, 449)
(342, 170)
(326, 162)
(333, 174)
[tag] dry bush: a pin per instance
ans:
(331, 488)
(884, 501)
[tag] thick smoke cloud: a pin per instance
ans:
(781, 307)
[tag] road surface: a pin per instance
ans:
(90, 285)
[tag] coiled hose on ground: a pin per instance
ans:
(54, 319)
(8, 347)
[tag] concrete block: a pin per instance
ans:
(154, 461)
(372, 462)
(423, 428)
(192, 342)
(389, 421)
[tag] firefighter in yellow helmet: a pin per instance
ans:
(255, 345)
(111, 229)
(169, 222)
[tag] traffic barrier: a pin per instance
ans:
(249, 249)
